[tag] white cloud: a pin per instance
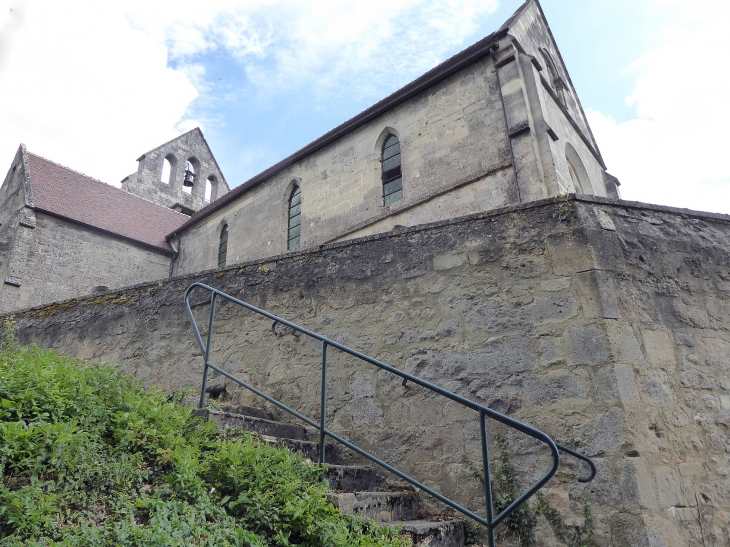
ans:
(94, 84)
(81, 87)
(675, 151)
(320, 43)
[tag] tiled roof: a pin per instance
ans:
(68, 194)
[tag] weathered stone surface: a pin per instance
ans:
(643, 393)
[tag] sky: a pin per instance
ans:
(93, 85)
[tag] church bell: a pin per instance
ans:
(188, 180)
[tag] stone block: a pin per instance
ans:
(626, 386)
(569, 254)
(540, 390)
(691, 469)
(659, 348)
(587, 347)
(604, 220)
(669, 491)
(641, 482)
(624, 345)
(657, 385)
(598, 295)
(449, 261)
(555, 285)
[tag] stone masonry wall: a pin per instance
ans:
(451, 135)
(147, 183)
(603, 323)
(75, 261)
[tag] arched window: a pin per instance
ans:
(295, 218)
(392, 176)
(555, 80)
(223, 247)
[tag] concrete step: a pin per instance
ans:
(352, 478)
(432, 533)
(308, 449)
(379, 506)
(228, 420)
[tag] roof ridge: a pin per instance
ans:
(104, 183)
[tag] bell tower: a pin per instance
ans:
(181, 174)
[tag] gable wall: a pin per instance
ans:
(147, 184)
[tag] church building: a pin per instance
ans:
(498, 124)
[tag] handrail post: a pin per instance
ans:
(487, 478)
(213, 296)
(323, 405)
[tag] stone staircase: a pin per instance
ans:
(357, 490)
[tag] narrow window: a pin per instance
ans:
(295, 218)
(169, 163)
(166, 171)
(223, 247)
(208, 189)
(211, 188)
(392, 177)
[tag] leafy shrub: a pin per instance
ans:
(88, 457)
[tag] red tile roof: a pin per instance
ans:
(65, 193)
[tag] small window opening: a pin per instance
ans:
(295, 218)
(392, 176)
(223, 247)
(209, 188)
(166, 171)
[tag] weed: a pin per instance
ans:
(522, 523)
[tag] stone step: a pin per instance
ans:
(352, 478)
(308, 449)
(432, 533)
(247, 411)
(379, 506)
(228, 420)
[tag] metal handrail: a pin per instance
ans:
(490, 521)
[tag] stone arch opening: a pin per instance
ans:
(192, 165)
(578, 173)
(169, 167)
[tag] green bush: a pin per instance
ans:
(89, 458)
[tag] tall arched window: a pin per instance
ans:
(223, 247)
(392, 176)
(295, 218)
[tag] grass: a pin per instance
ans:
(88, 457)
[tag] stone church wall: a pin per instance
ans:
(452, 137)
(603, 323)
(75, 260)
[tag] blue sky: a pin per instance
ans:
(92, 85)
